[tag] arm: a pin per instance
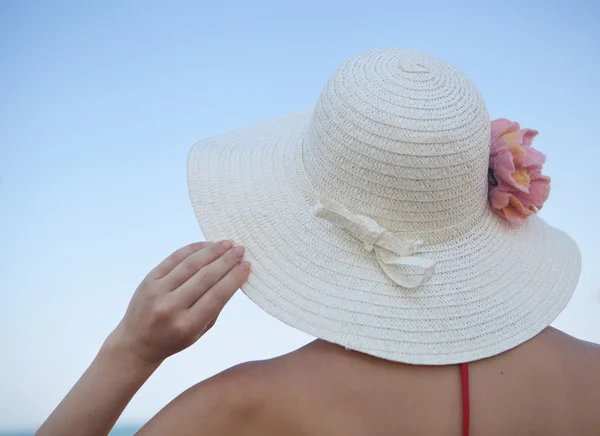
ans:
(172, 308)
(96, 401)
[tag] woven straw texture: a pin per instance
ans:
(403, 138)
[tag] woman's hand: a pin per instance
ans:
(173, 307)
(180, 300)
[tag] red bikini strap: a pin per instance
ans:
(464, 372)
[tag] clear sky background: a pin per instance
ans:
(100, 102)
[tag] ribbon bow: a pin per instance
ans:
(391, 252)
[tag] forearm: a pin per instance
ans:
(97, 400)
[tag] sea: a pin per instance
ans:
(117, 431)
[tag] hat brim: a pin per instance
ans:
(495, 287)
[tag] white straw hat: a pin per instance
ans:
(367, 221)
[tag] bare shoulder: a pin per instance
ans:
(237, 399)
(326, 389)
(557, 337)
(265, 398)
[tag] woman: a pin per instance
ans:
(396, 224)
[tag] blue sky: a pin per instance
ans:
(100, 102)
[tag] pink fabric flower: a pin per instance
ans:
(517, 187)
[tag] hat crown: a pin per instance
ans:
(404, 138)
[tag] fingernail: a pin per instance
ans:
(238, 251)
(244, 266)
(226, 244)
(203, 244)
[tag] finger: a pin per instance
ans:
(207, 277)
(167, 265)
(212, 302)
(195, 263)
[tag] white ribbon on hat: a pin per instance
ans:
(391, 252)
